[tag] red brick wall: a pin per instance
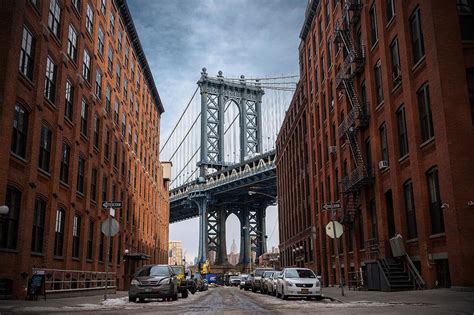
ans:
(149, 198)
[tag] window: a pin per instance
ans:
(94, 184)
(466, 18)
(329, 52)
(76, 236)
(373, 25)
(383, 142)
(395, 56)
(110, 58)
(59, 232)
(64, 170)
(416, 36)
(136, 142)
(54, 17)
(38, 226)
(470, 85)
(96, 132)
(104, 188)
(108, 96)
(373, 219)
(123, 163)
(81, 165)
(390, 10)
(86, 66)
(124, 124)
(322, 68)
(132, 76)
(101, 247)
(130, 135)
(115, 152)
(45, 148)
(89, 19)
(320, 31)
(98, 84)
(119, 41)
(410, 210)
(27, 53)
(20, 131)
(402, 132)
(112, 23)
(84, 117)
(378, 83)
(77, 5)
(100, 41)
(9, 224)
(116, 112)
(117, 74)
(50, 80)
(102, 6)
(90, 240)
(126, 56)
(436, 214)
(107, 144)
(72, 43)
(424, 108)
(69, 105)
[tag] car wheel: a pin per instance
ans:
(141, 300)
(184, 294)
(254, 290)
(175, 297)
(132, 299)
(318, 298)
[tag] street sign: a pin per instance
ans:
(112, 204)
(111, 230)
(334, 229)
(332, 205)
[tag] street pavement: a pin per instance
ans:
(231, 300)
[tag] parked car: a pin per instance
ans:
(243, 279)
(153, 281)
(256, 281)
(199, 281)
(266, 280)
(272, 283)
(298, 282)
(184, 283)
(234, 281)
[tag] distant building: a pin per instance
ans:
(233, 257)
(175, 253)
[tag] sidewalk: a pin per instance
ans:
(449, 299)
(12, 305)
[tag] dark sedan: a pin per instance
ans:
(155, 281)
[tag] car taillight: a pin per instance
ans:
(135, 282)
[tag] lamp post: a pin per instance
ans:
(4, 210)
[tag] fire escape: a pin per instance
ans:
(357, 118)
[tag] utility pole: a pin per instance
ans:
(336, 246)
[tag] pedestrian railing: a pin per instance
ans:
(60, 280)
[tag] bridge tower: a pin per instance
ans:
(216, 94)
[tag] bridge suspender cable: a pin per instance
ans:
(179, 120)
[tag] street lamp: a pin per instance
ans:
(4, 209)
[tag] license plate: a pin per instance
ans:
(304, 291)
(148, 290)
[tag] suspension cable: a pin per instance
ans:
(179, 120)
(185, 165)
(185, 136)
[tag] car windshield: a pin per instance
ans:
(267, 274)
(244, 277)
(259, 272)
(276, 274)
(197, 276)
(159, 271)
(300, 273)
(234, 277)
(177, 269)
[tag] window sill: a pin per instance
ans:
(68, 122)
(412, 240)
(428, 143)
(384, 171)
(20, 159)
(438, 235)
(391, 22)
(379, 106)
(27, 81)
(50, 103)
(63, 184)
(9, 250)
(80, 195)
(44, 173)
(419, 65)
(374, 46)
(75, 259)
(37, 254)
(58, 257)
(89, 260)
(404, 158)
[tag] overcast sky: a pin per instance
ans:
(250, 37)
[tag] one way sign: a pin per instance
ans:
(112, 204)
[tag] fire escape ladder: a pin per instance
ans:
(356, 7)
(351, 207)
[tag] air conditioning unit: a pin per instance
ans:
(396, 74)
(383, 165)
(332, 149)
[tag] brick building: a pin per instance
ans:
(390, 114)
(80, 117)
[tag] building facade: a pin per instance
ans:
(390, 88)
(80, 117)
(175, 254)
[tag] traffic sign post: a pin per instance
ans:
(335, 230)
(110, 227)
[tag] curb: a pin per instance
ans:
(332, 299)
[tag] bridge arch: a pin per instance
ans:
(232, 132)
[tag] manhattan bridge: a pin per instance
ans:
(223, 153)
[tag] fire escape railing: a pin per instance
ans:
(358, 117)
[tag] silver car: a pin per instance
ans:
(266, 281)
(272, 283)
(301, 282)
(154, 281)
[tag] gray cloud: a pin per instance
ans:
(250, 37)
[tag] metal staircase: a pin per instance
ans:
(357, 118)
